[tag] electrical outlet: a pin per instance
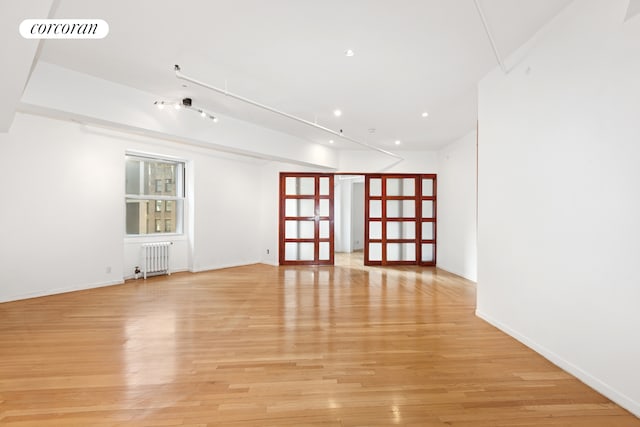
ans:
(108, 269)
(267, 251)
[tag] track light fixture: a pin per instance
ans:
(187, 104)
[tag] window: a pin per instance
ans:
(154, 197)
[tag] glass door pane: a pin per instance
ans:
(428, 253)
(300, 186)
(299, 251)
(299, 207)
(375, 187)
(299, 229)
(401, 252)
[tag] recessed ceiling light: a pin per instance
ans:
(397, 142)
(337, 113)
(349, 52)
(331, 141)
(425, 114)
(177, 106)
(203, 114)
(159, 104)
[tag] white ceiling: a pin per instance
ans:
(410, 56)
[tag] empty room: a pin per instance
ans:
(335, 213)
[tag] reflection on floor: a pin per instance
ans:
(280, 346)
(349, 259)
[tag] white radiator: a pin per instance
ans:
(155, 258)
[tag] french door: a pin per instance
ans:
(400, 219)
(306, 219)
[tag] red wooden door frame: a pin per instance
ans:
(417, 219)
(433, 219)
(316, 240)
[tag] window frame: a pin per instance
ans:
(179, 200)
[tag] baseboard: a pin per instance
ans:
(57, 291)
(593, 382)
(455, 273)
(133, 277)
(221, 266)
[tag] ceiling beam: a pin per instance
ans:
(17, 53)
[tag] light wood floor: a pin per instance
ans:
(268, 346)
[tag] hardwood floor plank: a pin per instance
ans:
(280, 346)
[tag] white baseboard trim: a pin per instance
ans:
(221, 266)
(600, 386)
(56, 291)
(450, 270)
(133, 276)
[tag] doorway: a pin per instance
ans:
(349, 213)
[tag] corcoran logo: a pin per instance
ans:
(64, 29)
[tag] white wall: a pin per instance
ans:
(457, 243)
(227, 214)
(269, 211)
(64, 217)
(559, 202)
(369, 161)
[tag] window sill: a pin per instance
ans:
(144, 238)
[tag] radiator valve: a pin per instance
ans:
(136, 272)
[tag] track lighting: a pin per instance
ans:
(186, 103)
